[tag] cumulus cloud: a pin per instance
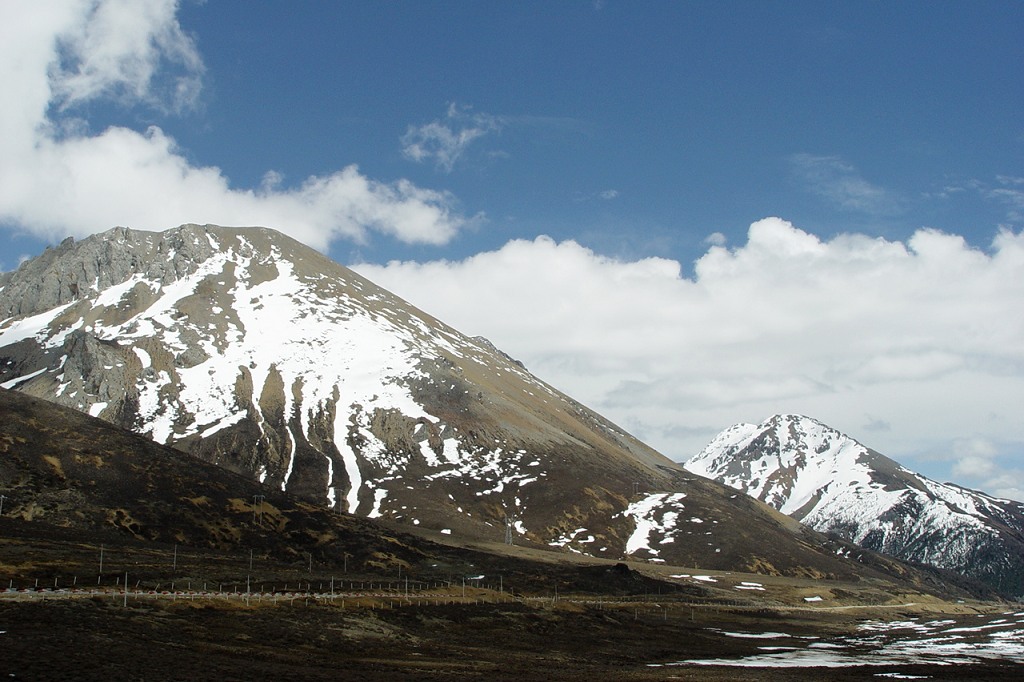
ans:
(842, 185)
(927, 333)
(445, 140)
(58, 178)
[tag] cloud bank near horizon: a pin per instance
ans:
(913, 347)
(57, 177)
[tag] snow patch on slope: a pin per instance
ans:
(655, 517)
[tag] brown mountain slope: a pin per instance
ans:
(254, 352)
(59, 467)
(72, 483)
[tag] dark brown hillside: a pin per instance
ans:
(72, 483)
(61, 468)
(76, 488)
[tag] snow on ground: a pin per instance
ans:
(750, 586)
(566, 538)
(698, 578)
(897, 643)
(143, 357)
(17, 380)
(655, 516)
(12, 331)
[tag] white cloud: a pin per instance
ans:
(975, 458)
(974, 467)
(117, 47)
(926, 334)
(58, 178)
(1006, 190)
(1010, 193)
(1007, 484)
(603, 195)
(982, 464)
(446, 140)
(839, 183)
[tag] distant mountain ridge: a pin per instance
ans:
(251, 351)
(834, 484)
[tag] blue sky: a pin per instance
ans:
(628, 146)
(693, 118)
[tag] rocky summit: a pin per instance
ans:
(831, 482)
(249, 350)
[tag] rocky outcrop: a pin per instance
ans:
(71, 271)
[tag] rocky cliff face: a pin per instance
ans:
(254, 352)
(836, 485)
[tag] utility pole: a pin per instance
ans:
(257, 498)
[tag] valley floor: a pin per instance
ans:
(99, 638)
(61, 618)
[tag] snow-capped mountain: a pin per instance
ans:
(252, 351)
(834, 484)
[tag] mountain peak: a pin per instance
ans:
(249, 350)
(826, 479)
(784, 461)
